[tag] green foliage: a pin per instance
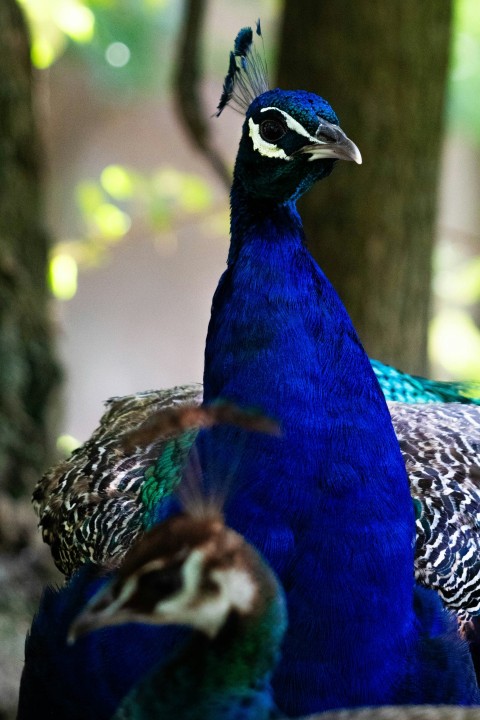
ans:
(454, 338)
(124, 44)
(464, 85)
(107, 206)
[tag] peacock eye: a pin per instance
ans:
(161, 583)
(272, 130)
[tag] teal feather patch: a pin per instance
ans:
(162, 478)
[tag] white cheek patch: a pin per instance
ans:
(237, 587)
(262, 146)
(236, 590)
(191, 573)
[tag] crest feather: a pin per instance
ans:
(173, 422)
(246, 78)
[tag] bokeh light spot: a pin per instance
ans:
(117, 54)
(63, 275)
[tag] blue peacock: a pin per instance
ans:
(103, 481)
(328, 504)
(192, 570)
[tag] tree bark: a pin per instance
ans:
(186, 87)
(382, 65)
(28, 370)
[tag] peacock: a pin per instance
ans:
(327, 504)
(191, 570)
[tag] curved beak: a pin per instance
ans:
(98, 613)
(331, 142)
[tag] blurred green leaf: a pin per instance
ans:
(89, 196)
(195, 194)
(159, 215)
(112, 222)
(118, 182)
(464, 84)
(62, 276)
(460, 285)
(454, 341)
(124, 43)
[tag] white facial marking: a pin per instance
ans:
(273, 151)
(237, 586)
(292, 124)
(191, 573)
(187, 607)
(265, 148)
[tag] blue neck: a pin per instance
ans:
(221, 678)
(340, 517)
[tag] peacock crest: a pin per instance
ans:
(247, 76)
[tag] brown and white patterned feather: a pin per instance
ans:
(441, 447)
(89, 505)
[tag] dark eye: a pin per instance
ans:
(272, 130)
(161, 583)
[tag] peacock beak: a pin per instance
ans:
(331, 142)
(98, 613)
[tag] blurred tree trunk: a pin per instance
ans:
(383, 67)
(28, 371)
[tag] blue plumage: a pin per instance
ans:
(247, 73)
(85, 681)
(340, 516)
(243, 42)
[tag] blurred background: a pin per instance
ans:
(132, 214)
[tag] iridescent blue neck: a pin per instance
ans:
(228, 676)
(253, 218)
(328, 504)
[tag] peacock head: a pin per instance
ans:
(290, 139)
(186, 571)
(191, 569)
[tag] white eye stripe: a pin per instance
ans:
(270, 149)
(292, 124)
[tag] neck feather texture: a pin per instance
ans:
(225, 677)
